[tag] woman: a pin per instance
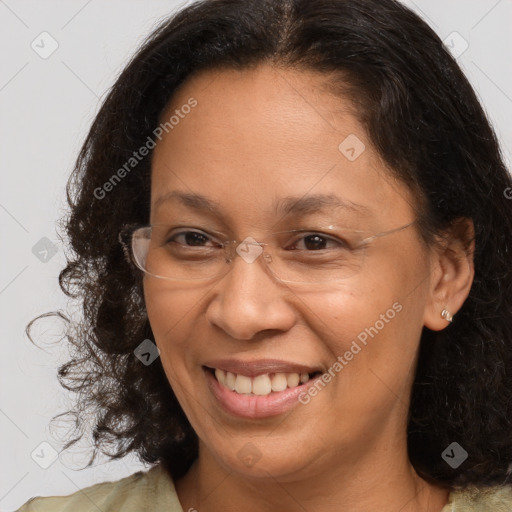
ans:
(292, 243)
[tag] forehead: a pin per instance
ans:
(257, 137)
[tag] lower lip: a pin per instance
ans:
(254, 406)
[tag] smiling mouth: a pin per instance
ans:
(260, 385)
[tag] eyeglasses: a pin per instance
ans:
(177, 253)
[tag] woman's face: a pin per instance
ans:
(253, 139)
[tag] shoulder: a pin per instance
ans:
(477, 499)
(151, 490)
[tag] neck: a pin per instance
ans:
(378, 480)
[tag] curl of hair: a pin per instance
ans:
(425, 121)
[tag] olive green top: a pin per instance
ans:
(153, 491)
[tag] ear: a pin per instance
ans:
(452, 273)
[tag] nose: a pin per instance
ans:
(249, 300)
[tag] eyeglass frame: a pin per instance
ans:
(130, 229)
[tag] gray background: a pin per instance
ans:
(47, 105)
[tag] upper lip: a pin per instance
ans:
(255, 367)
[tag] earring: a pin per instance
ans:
(447, 315)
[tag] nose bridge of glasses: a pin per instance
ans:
(249, 250)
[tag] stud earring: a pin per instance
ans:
(447, 315)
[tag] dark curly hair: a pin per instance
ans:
(424, 119)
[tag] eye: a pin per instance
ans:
(191, 239)
(318, 241)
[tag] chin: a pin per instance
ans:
(258, 458)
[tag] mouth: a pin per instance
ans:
(263, 384)
(254, 393)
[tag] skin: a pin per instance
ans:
(256, 136)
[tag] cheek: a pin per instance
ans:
(376, 316)
(170, 307)
(173, 318)
(171, 315)
(371, 337)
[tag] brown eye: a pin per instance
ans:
(317, 242)
(189, 238)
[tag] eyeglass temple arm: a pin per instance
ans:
(390, 232)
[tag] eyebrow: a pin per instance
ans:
(316, 203)
(296, 205)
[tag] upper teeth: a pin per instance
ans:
(262, 384)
